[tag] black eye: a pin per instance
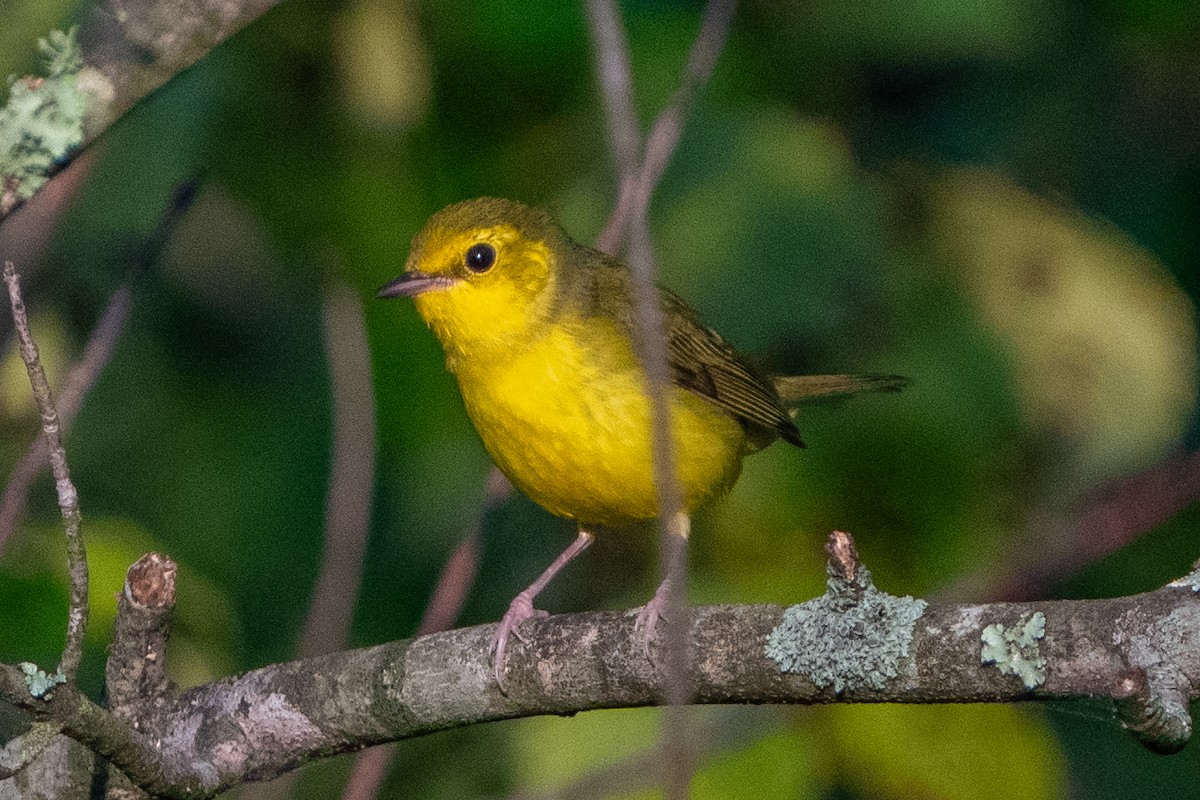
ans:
(481, 257)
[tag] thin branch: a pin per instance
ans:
(81, 377)
(68, 498)
(370, 768)
(631, 213)
(650, 330)
(96, 354)
(1106, 520)
(668, 126)
(650, 343)
(611, 50)
(348, 503)
(458, 576)
(445, 604)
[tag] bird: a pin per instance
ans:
(538, 329)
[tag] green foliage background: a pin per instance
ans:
(996, 198)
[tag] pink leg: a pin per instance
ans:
(648, 615)
(521, 608)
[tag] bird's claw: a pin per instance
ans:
(646, 622)
(519, 610)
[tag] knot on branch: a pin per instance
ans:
(1156, 715)
(150, 582)
(1152, 694)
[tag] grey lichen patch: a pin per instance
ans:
(40, 684)
(17, 753)
(1015, 651)
(852, 637)
(42, 123)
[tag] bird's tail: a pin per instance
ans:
(794, 389)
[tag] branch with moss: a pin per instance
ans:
(95, 74)
(855, 644)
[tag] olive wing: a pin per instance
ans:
(704, 363)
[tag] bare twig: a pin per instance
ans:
(450, 593)
(68, 499)
(81, 377)
(631, 214)
(611, 50)
(445, 604)
(1104, 521)
(650, 338)
(668, 126)
(86, 371)
(370, 768)
(348, 505)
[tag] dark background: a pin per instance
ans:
(998, 199)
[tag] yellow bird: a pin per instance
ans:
(539, 331)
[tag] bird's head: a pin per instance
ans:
(482, 274)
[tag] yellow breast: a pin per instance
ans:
(567, 420)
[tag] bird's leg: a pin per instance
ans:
(521, 608)
(649, 615)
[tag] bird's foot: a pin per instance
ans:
(648, 616)
(519, 610)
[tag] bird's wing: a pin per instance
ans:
(704, 363)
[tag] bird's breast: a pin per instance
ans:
(567, 420)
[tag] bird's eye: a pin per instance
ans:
(481, 257)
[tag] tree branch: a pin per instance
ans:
(854, 644)
(126, 50)
(135, 676)
(611, 51)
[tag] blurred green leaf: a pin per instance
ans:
(947, 752)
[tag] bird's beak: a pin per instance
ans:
(415, 282)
